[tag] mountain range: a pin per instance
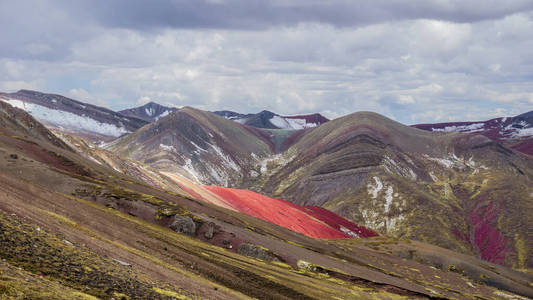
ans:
(184, 203)
(74, 117)
(514, 132)
(269, 120)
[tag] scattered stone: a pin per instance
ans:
(256, 252)
(210, 231)
(122, 262)
(184, 224)
(302, 264)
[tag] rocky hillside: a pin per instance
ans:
(463, 192)
(75, 228)
(371, 170)
(200, 145)
(85, 120)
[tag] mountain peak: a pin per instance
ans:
(269, 120)
(149, 112)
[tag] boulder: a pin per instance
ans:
(210, 231)
(256, 252)
(184, 224)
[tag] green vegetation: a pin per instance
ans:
(36, 251)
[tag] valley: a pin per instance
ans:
(183, 203)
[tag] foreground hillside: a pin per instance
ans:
(82, 229)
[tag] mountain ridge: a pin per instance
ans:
(72, 116)
(149, 112)
(101, 232)
(515, 132)
(365, 167)
(269, 120)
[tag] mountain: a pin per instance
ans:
(199, 145)
(150, 112)
(75, 228)
(270, 120)
(460, 191)
(74, 117)
(370, 170)
(514, 132)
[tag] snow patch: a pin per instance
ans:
(520, 132)
(388, 198)
(280, 122)
(349, 232)
(198, 148)
(393, 222)
(163, 114)
(188, 167)
(435, 178)
(63, 119)
(168, 148)
(372, 219)
(289, 123)
(476, 127)
(375, 189)
(453, 161)
(392, 166)
(443, 161)
(149, 111)
(300, 123)
(226, 159)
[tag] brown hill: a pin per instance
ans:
(462, 192)
(81, 228)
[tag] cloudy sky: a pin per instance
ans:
(411, 60)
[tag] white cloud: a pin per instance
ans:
(13, 86)
(413, 66)
(143, 100)
(85, 96)
(405, 99)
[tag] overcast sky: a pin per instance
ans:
(413, 60)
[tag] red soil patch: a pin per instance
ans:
(314, 222)
(337, 221)
(491, 245)
(525, 146)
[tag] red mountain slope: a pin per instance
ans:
(311, 221)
